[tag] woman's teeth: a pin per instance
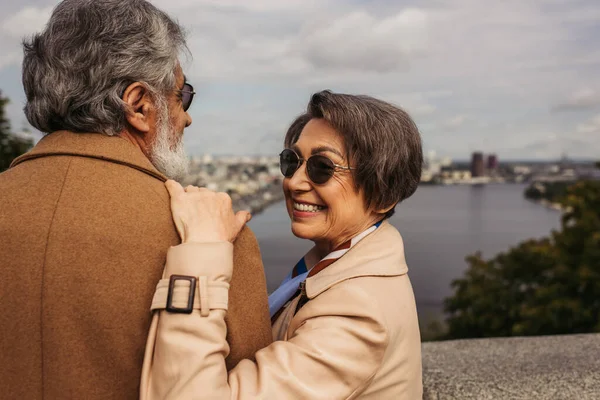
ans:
(307, 207)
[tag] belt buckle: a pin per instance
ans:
(190, 305)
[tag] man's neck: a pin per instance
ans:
(136, 140)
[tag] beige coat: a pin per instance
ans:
(85, 225)
(356, 338)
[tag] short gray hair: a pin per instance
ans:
(76, 70)
(381, 140)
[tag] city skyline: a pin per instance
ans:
(517, 79)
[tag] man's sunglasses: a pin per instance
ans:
(319, 168)
(187, 95)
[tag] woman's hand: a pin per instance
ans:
(202, 215)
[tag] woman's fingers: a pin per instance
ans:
(202, 215)
(241, 217)
(191, 188)
(174, 188)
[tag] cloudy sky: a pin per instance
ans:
(518, 77)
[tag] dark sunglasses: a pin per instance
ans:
(187, 95)
(319, 168)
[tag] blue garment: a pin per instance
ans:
(288, 287)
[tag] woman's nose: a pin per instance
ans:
(299, 181)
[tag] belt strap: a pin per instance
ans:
(208, 296)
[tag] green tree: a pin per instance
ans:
(551, 191)
(547, 286)
(11, 146)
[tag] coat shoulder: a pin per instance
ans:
(246, 240)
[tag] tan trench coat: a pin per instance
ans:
(356, 338)
(85, 225)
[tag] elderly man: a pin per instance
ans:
(85, 222)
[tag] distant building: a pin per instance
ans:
(432, 165)
(477, 164)
(446, 162)
(492, 162)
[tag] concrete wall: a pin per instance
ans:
(540, 368)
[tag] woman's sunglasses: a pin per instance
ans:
(187, 95)
(319, 168)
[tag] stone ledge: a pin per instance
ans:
(540, 368)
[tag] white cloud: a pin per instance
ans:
(361, 42)
(502, 64)
(421, 110)
(582, 99)
(14, 27)
(239, 5)
(557, 145)
(590, 126)
(9, 57)
(417, 104)
(26, 21)
(455, 122)
(324, 48)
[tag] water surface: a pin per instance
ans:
(440, 225)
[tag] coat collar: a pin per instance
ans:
(92, 145)
(379, 254)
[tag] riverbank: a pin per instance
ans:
(258, 201)
(548, 194)
(549, 204)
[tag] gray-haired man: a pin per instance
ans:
(85, 221)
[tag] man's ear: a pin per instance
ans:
(140, 110)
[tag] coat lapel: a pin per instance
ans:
(379, 254)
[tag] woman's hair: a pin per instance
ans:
(76, 70)
(381, 140)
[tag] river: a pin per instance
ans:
(440, 225)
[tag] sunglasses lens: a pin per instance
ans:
(187, 95)
(320, 169)
(288, 163)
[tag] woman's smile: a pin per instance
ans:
(306, 210)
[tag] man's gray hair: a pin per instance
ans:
(76, 70)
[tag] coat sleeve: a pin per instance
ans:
(248, 321)
(333, 354)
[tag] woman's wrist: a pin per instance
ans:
(202, 239)
(210, 259)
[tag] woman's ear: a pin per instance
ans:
(140, 108)
(384, 211)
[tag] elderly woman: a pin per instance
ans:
(344, 321)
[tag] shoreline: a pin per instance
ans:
(549, 204)
(257, 202)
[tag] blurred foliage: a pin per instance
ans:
(432, 330)
(554, 192)
(540, 287)
(11, 146)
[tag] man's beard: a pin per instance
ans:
(169, 159)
